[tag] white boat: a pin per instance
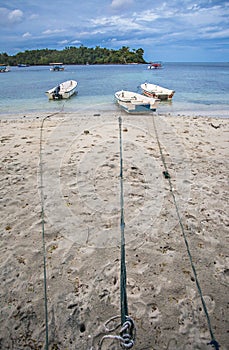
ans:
(56, 66)
(64, 90)
(155, 65)
(4, 68)
(133, 102)
(156, 91)
(22, 65)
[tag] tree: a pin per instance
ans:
(75, 55)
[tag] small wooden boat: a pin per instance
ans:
(133, 102)
(64, 90)
(156, 91)
(56, 66)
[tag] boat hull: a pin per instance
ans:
(129, 108)
(57, 69)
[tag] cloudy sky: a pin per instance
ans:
(171, 31)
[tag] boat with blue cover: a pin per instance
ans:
(4, 68)
(133, 102)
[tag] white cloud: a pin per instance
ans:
(15, 16)
(121, 23)
(216, 34)
(26, 35)
(205, 16)
(8, 17)
(147, 16)
(76, 42)
(53, 31)
(63, 42)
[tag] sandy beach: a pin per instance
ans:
(70, 167)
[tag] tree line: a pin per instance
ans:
(75, 55)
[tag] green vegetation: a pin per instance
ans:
(74, 55)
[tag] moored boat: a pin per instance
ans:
(63, 90)
(22, 65)
(133, 102)
(56, 66)
(156, 91)
(155, 65)
(4, 68)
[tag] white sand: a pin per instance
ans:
(81, 188)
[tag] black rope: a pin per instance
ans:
(43, 234)
(127, 332)
(43, 237)
(166, 174)
(123, 294)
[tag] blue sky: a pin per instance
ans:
(170, 31)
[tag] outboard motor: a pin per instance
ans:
(56, 94)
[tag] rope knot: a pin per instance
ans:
(127, 334)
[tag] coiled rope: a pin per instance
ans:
(166, 174)
(126, 335)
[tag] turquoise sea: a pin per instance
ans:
(201, 88)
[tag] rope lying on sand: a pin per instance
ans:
(166, 174)
(127, 323)
(127, 332)
(43, 230)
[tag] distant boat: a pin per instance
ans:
(56, 66)
(23, 65)
(4, 68)
(156, 91)
(62, 91)
(155, 65)
(133, 102)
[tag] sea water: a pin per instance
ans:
(201, 88)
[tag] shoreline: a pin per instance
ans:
(220, 114)
(80, 169)
(79, 104)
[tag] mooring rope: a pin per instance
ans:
(126, 321)
(127, 331)
(123, 294)
(166, 174)
(128, 328)
(43, 232)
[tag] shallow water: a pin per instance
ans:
(201, 88)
